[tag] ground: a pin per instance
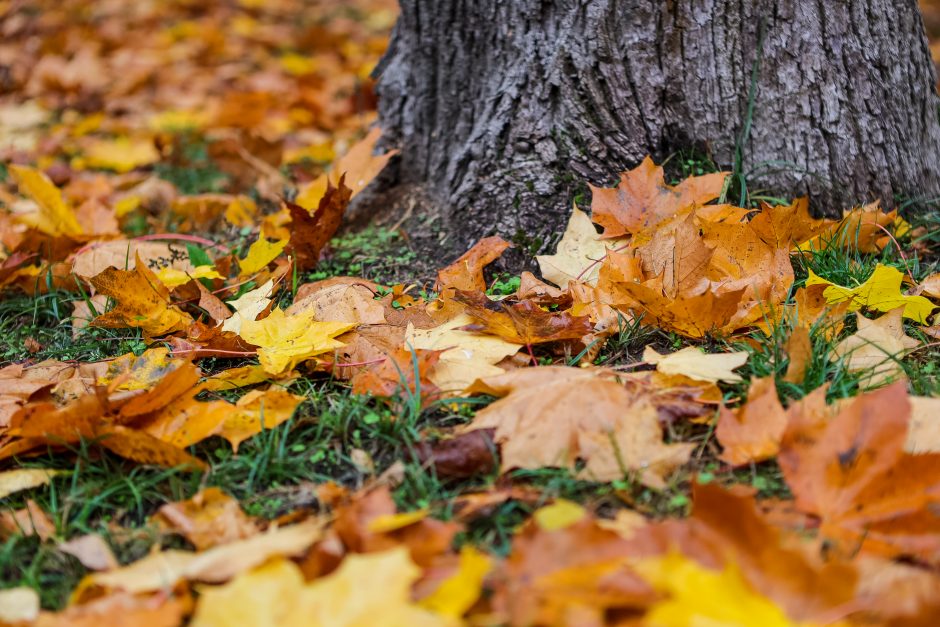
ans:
(109, 145)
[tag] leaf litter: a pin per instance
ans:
(237, 328)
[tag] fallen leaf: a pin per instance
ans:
(336, 600)
(457, 594)
(881, 292)
(18, 605)
(92, 551)
(852, 472)
(464, 456)
(578, 254)
(208, 519)
(466, 356)
(310, 232)
(142, 302)
(54, 217)
(752, 433)
(923, 435)
(13, 481)
(162, 570)
(123, 255)
(121, 154)
(262, 252)
(876, 348)
(642, 198)
(285, 341)
(696, 364)
(521, 323)
(171, 277)
(358, 167)
(698, 595)
(799, 349)
(467, 272)
(556, 416)
(121, 610)
(339, 302)
(248, 307)
(403, 373)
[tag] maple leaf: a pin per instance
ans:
(210, 518)
(261, 252)
(339, 299)
(171, 277)
(310, 233)
(698, 595)
(642, 199)
(881, 292)
(466, 356)
(752, 433)
(248, 307)
(523, 322)
(852, 472)
(578, 254)
(696, 364)
(401, 371)
(555, 416)
(876, 348)
(579, 564)
(358, 166)
(467, 272)
(12, 481)
(285, 341)
(121, 154)
(123, 255)
(54, 217)
(163, 569)
(143, 302)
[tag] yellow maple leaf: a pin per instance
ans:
(55, 217)
(700, 596)
(260, 254)
(121, 154)
(172, 277)
(460, 591)
(284, 341)
(338, 600)
(881, 292)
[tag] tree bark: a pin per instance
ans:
(501, 108)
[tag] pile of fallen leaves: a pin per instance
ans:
(218, 279)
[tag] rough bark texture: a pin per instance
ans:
(502, 107)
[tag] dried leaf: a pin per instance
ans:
(696, 364)
(523, 322)
(142, 302)
(310, 232)
(876, 348)
(752, 433)
(555, 416)
(642, 199)
(13, 481)
(248, 307)
(467, 272)
(92, 551)
(208, 519)
(578, 254)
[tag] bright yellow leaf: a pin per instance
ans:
(365, 590)
(171, 277)
(121, 154)
(284, 341)
(560, 514)
(391, 522)
(881, 292)
(260, 254)
(698, 596)
(55, 217)
(262, 597)
(460, 591)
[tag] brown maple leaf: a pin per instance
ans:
(523, 322)
(310, 232)
(853, 473)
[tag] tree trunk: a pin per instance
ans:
(502, 108)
